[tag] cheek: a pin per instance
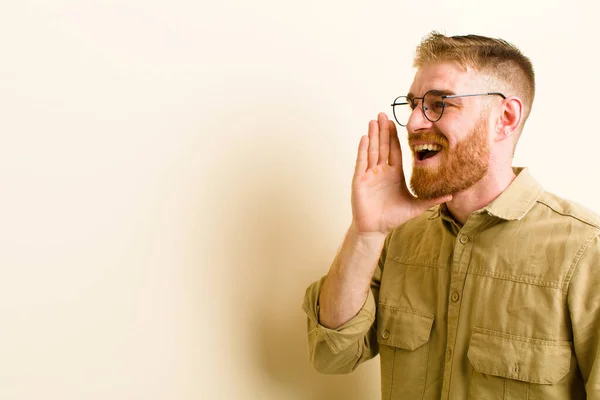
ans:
(444, 130)
(449, 134)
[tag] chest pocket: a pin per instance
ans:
(514, 367)
(403, 337)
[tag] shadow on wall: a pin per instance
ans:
(279, 213)
(281, 324)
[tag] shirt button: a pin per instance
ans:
(464, 239)
(449, 354)
(455, 296)
(385, 334)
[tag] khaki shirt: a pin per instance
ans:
(505, 307)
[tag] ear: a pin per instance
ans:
(509, 120)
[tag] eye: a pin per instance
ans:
(449, 103)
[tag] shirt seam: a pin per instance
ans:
(407, 310)
(522, 339)
(334, 349)
(416, 263)
(469, 255)
(516, 279)
(393, 372)
(575, 262)
(569, 215)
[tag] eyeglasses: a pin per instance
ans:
(432, 104)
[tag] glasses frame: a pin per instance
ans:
(411, 101)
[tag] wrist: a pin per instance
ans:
(365, 244)
(366, 235)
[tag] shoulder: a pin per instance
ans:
(568, 210)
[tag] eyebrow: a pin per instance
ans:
(443, 92)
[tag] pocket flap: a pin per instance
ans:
(520, 358)
(403, 327)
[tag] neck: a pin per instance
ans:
(481, 194)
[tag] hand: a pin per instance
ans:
(381, 200)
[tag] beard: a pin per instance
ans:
(459, 169)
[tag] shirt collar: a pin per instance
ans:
(513, 203)
(518, 198)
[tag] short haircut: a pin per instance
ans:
(495, 57)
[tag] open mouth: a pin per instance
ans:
(425, 151)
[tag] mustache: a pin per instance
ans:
(428, 137)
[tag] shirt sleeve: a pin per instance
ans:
(584, 306)
(342, 350)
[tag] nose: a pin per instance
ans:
(417, 120)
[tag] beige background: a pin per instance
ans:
(173, 174)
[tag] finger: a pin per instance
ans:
(362, 156)
(395, 151)
(384, 138)
(373, 144)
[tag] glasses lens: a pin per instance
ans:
(402, 110)
(433, 105)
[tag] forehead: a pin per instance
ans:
(450, 76)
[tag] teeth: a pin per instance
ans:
(429, 146)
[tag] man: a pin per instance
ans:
(483, 286)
